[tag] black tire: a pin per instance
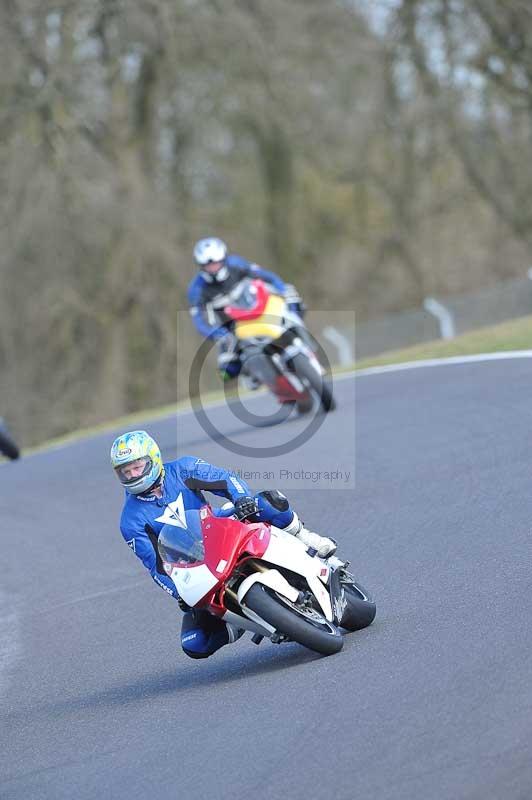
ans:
(319, 384)
(7, 446)
(317, 634)
(360, 609)
(305, 406)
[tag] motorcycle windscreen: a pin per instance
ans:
(182, 545)
(246, 298)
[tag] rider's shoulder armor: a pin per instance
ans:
(234, 261)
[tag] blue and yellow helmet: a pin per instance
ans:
(133, 447)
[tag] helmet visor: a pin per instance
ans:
(128, 474)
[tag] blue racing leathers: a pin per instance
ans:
(201, 293)
(183, 485)
(184, 481)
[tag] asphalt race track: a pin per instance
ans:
(434, 700)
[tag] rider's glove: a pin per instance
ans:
(182, 605)
(246, 507)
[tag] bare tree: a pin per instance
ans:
(366, 151)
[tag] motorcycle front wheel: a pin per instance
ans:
(360, 609)
(319, 384)
(301, 624)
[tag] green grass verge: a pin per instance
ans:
(513, 335)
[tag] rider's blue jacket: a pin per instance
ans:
(184, 480)
(200, 291)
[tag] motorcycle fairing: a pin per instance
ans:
(253, 305)
(223, 540)
(287, 551)
(193, 583)
(269, 324)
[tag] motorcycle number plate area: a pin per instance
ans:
(193, 583)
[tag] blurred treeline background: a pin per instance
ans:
(373, 152)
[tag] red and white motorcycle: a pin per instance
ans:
(258, 577)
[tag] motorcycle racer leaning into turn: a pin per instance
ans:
(156, 493)
(219, 273)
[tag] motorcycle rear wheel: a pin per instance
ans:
(319, 384)
(305, 626)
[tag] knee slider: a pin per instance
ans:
(195, 643)
(231, 369)
(191, 654)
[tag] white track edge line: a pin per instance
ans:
(441, 362)
(355, 373)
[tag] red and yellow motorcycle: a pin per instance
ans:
(275, 347)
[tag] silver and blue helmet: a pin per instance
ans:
(137, 446)
(211, 251)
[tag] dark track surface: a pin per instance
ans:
(434, 701)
